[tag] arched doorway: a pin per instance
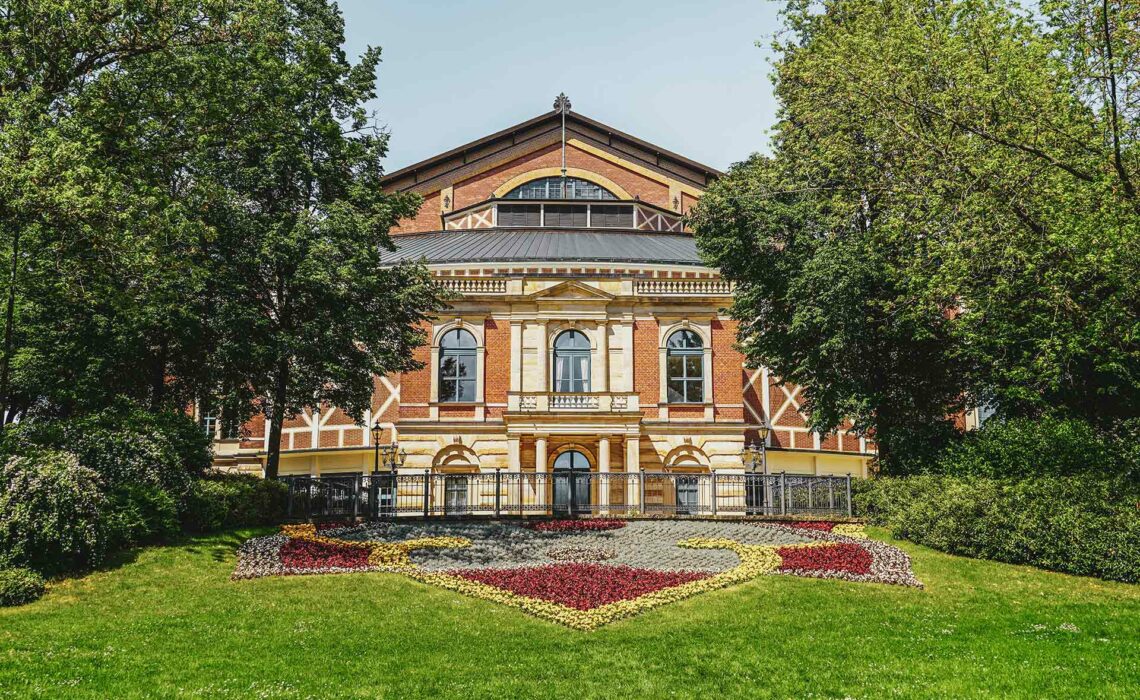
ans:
(571, 483)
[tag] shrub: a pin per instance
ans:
(1023, 447)
(20, 586)
(1082, 524)
(222, 501)
(141, 514)
(53, 512)
(126, 445)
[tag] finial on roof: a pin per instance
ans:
(562, 103)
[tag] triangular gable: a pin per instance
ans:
(483, 154)
(572, 290)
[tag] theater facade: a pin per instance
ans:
(586, 335)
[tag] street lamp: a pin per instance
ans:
(755, 456)
(377, 432)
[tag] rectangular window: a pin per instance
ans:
(566, 215)
(611, 216)
(520, 215)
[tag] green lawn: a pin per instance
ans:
(171, 623)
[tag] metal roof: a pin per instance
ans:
(529, 245)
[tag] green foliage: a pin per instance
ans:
(948, 217)
(1023, 447)
(223, 501)
(53, 512)
(20, 586)
(126, 446)
(307, 309)
(1081, 524)
(139, 514)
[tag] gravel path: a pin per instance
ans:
(650, 544)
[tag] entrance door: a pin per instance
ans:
(571, 483)
(687, 498)
(455, 495)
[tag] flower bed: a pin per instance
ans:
(577, 591)
(581, 553)
(580, 586)
(821, 525)
(594, 525)
(838, 557)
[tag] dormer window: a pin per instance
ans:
(559, 188)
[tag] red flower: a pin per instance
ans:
(833, 557)
(820, 525)
(595, 525)
(581, 586)
(307, 554)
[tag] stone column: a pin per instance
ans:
(544, 383)
(604, 475)
(516, 355)
(542, 479)
(604, 352)
(633, 467)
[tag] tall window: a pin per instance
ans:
(552, 188)
(457, 366)
(685, 365)
(572, 362)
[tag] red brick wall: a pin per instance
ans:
(728, 377)
(415, 387)
(427, 219)
(647, 366)
(497, 360)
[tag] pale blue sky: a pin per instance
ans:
(685, 76)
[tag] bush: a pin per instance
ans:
(1023, 447)
(1083, 524)
(20, 586)
(126, 445)
(141, 514)
(233, 500)
(53, 512)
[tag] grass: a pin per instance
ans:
(169, 623)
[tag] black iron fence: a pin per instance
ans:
(503, 493)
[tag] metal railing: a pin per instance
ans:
(504, 493)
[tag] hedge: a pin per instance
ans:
(1085, 524)
(221, 501)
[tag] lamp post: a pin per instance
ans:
(377, 432)
(754, 456)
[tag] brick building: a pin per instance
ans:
(588, 335)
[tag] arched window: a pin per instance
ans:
(457, 366)
(571, 460)
(685, 366)
(552, 188)
(572, 362)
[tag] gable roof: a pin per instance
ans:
(535, 132)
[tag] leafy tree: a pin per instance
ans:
(307, 311)
(101, 276)
(949, 217)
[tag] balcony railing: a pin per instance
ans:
(474, 285)
(502, 493)
(595, 402)
(683, 287)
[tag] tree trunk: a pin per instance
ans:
(277, 417)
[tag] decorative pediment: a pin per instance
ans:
(572, 290)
